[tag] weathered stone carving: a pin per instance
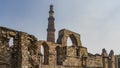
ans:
(64, 34)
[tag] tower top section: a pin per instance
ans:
(51, 12)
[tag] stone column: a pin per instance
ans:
(105, 62)
(24, 50)
(52, 55)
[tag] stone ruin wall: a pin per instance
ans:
(26, 52)
(9, 54)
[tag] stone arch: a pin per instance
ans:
(46, 53)
(69, 42)
(63, 36)
(58, 55)
(73, 40)
(61, 54)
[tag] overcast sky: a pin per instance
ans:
(97, 21)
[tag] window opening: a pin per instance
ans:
(69, 42)
(11, 42)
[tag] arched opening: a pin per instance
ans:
(44, 54)
(58, 55)
(77, 52)
(11, 42)
(61, 55)
(72, 41)
(69, 42)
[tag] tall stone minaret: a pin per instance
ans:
(51, 27)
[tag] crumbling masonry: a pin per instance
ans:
(26, 50)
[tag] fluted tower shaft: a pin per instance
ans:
(51, 27)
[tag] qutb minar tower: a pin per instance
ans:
(51, 27)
